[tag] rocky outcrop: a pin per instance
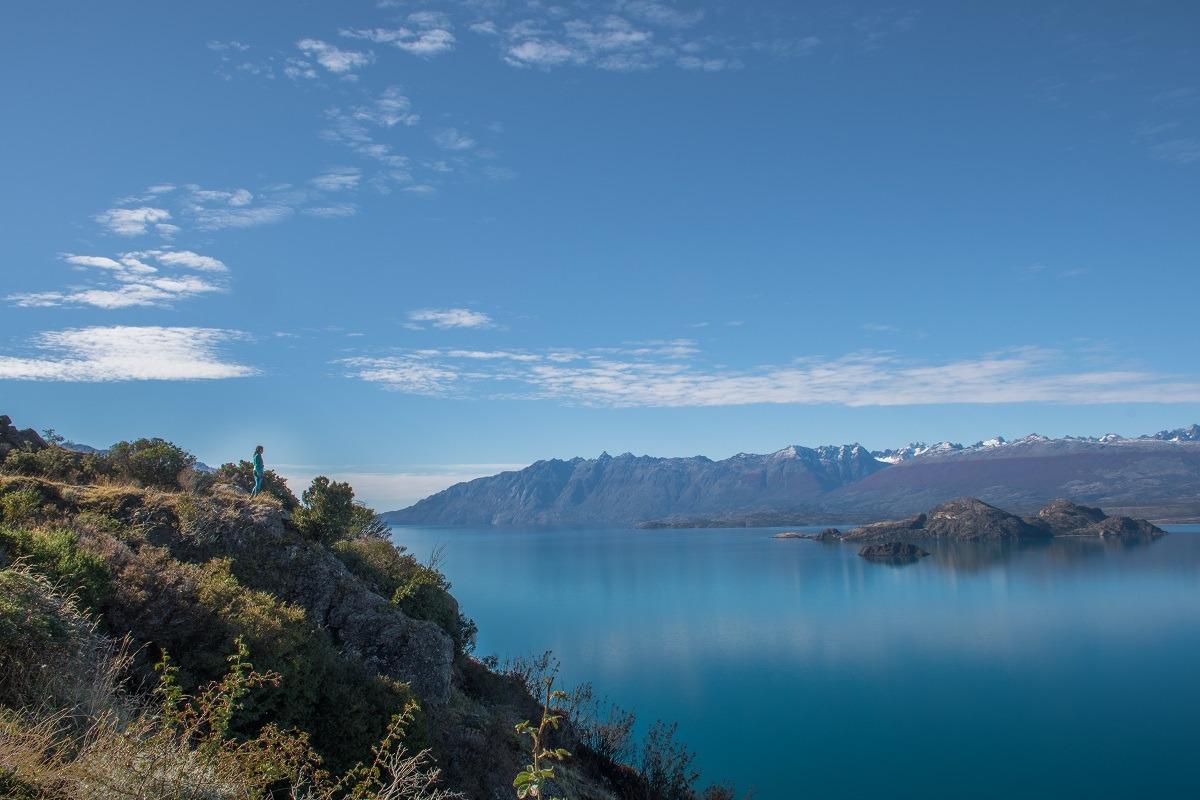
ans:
(269, 555)
(1064, 518)
(963, 520)
(892, 551)
(13, 439)
(827, 535)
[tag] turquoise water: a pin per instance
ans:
(1064, 670)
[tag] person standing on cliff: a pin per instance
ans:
(258, 470)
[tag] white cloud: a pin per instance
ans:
(452, 139)
(186, 258)
(661, 13)
(1177, 151)
(667, 374)
(212, 219)
(332, 212)
(125, 353)
(409, 375)
(132, 221)
(452, 318)
(339, 179)
(130, 281)
(100, 262)
(430, 41)
(391, 108)
(332, 58)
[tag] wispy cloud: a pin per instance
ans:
(430, 41)
(132, 280)
(338, 179)
(672, 376)
(1183, 151)
(332, 58)
(452, 139)
(451, 318)
(124, 353)
(132, 221)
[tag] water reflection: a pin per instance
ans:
(804, 646)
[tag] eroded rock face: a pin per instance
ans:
(963, 520)
(269, 555)
(13, 439)
(1064, 518)
(892, 551)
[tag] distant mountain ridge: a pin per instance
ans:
(1156, 476)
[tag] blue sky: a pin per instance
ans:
(406, 243)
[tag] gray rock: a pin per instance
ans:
(268, 554)
(1064, 518)
(962, 520)
(13, 439)
(892, 551)
(827, 535)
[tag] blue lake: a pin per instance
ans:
(1070, 669)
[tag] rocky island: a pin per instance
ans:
(968, 519)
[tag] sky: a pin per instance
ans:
(411, 243)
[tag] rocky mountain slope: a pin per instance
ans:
(1155, 476)
(627, 489)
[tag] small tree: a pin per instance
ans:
(149, 462)
(328, 511)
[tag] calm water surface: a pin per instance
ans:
(1065, 670)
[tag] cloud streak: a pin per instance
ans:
(125, 353)
(132, 279)
(671, 374)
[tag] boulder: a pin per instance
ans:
(13, 439)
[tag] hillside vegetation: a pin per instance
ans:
(165, 635)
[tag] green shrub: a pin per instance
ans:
(149, 462)
(53, 463)
(20, 505)
(328, 511)
(426, 595)
(198, 612)
(56, 554)
(379, 564)
(241, 475)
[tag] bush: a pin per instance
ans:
(200, 611)
(426, 595)
(20, 505)
(379, 564)
(53, 463)
(56, 554)
(241, 475)
(419, 590)
(328, 511)
(149, 462)
(667, 765)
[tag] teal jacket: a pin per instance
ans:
(258, 464)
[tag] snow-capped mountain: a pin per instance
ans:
(1158, 474)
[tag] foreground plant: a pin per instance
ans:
(532, 780)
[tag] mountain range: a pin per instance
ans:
(1156, 476)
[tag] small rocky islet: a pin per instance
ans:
(968, 519)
